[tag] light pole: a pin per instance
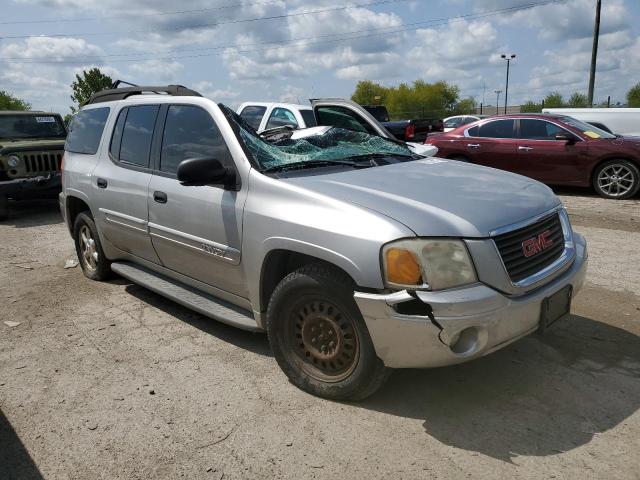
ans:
(594, 54)
(497, 92)
(508, 58)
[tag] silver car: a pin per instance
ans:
(355, 254)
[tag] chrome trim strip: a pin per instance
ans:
(524, 223)
(560, 264)
(201, 245)
(122, 220)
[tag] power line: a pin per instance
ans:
(137, 15)
(278, 44)
(209, 25)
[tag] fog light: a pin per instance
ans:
(464, 342)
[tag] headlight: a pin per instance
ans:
(13, 161)
(434, 264)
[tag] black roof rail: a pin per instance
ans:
(112, 94)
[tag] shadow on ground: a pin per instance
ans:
(33, 213)
(253, 342)
(15, 461)
(541, 396)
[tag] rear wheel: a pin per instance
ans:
(319, 338)
(4, 207)
(90, 255)
(617, 179)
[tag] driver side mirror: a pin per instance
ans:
(194, 172)
(568, 139)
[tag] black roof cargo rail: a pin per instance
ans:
(115, 93)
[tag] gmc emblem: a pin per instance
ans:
(535, 245)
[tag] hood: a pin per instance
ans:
(7, 146)
(436, 197)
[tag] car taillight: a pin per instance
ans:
(410, 131)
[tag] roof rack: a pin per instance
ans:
(115, 93)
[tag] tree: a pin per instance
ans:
(553, 100)
(633, 96)
(531, 107)
(84, 86)
(578, 100)
(11, 102)
(419, 99)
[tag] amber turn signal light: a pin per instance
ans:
(402, 267)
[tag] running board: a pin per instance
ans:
(201, 302)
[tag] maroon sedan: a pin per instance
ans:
(554, 149)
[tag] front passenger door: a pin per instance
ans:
(196, 231)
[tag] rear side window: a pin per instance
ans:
(253, 115)
(281, 117)
(137, 133)
(190, 132)
(308, 117)
(497, 129)
(86, 130)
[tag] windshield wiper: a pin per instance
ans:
(310, 164)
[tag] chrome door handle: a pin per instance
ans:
(473, 145)
(526, 149)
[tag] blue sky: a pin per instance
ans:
(229, 51)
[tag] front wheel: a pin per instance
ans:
(90, 255)
(319, 338)
(618, 179)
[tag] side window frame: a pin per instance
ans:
(161, 124)
(274, 110)
(516, 129)
(566, 131)
(127, 165)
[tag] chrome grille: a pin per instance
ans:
(514, 254)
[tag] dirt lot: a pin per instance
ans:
(108, 380)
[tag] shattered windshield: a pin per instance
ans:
(336, 145)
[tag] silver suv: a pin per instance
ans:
(354, 253)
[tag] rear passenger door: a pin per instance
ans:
(196, 231)
(493, 144)
(120, 183)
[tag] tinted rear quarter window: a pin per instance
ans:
(253, 115)
(137, 134)
(190, 132)
(308, 117)
(86, 130)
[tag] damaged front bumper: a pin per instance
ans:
(433, 329)
(35, 187)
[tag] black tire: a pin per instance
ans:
(4, 207)
(616, 179)
(99, 268)
(321, 296)
(459, 158)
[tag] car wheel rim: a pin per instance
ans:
(88, 248)
(323, 341)
(616, 180)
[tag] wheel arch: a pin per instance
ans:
(74, 205)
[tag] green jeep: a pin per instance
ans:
(31, 148)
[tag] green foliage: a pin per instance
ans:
(578, 100)
(554, 100)
(11, 102)
(84, 86)
(420, 99)
(633, 96)
(531, 107)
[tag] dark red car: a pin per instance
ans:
(554, 149)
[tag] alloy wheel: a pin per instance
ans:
(88, 248)
(616, 180)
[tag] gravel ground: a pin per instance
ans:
(108, 380)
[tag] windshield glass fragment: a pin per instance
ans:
(334, 144)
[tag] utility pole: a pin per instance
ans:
(594, 53)
(497, 92)
(508, 58)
